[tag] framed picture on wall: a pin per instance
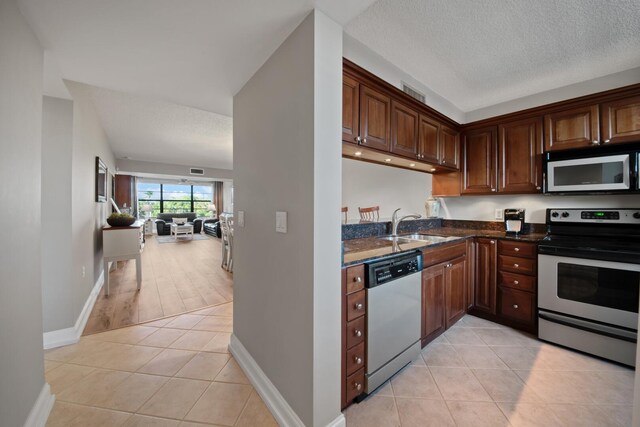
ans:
(101, 181)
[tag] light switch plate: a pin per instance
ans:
(240, 218)
(281, 222)
(499, 214)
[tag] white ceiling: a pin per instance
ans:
(150, 54)
(163, 132)
(480, 53)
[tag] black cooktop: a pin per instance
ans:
(618, 249)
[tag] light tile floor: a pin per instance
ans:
(172, 372)
(479, 373)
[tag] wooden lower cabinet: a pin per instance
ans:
(485, 277)
(444, 289)
(353, 333)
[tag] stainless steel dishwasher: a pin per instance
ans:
(394, 294)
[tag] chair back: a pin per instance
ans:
(345, 210)
(369, 214)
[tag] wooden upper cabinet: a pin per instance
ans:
(429, 137)
(375, 118)
(404, 130)
(479, 161)
(350, 109)
(449, 147)
(574, 128)
(621, 120)
(520, 156)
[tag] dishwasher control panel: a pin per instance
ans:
(394, 268)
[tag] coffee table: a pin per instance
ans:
(181, 229)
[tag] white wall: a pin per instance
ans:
(139, 168)
(21, 355)
(368, 184)
(482, 208)
(57, 145)
(287, 158)
(87, 216)
(369, 60)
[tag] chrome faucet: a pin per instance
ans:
(395, 221)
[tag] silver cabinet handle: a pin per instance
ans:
(357, 386)
(357, 279)
(358, 306)
(606, 141)
(364, 140)
(516, 249)
(515, 282)
(357, 333)
(537, 188)
(493, 189)
(516, 265)
(595, 142)
(493, 242)
(515, 306)
(358, 140)
(357, 360)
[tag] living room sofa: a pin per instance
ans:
(164, 221)
(212, 227)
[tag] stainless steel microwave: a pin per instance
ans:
(609, 171)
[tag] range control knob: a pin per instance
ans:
(565, 214)
(555, 214)
(636, 215)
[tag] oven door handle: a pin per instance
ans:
(597, 328)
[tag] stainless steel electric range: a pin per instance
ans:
(589, 281)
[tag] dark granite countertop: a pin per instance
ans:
(360, 250)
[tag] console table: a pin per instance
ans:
(120, 244)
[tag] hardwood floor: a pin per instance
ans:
(176, 278)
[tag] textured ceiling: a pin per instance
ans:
(159, 131)
(480, 53)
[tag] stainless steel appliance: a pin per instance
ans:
(514, 221)
(394, 292)
(610, 170)
(589, 281)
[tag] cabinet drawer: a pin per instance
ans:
(519, 249)
(517, 281)
(356, 305)
(517, 305)
(355, 385)
(355, 358)
(441, 253)
(355, 278)
(516, 264)
(355, 332)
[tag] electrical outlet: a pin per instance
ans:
(281, 222)
(499, 214)
(84, 272)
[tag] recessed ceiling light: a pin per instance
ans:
(358, 153)
(412, 164)
(387, 160)
(433, 170)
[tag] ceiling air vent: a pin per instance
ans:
(413, 93)
(196, 171)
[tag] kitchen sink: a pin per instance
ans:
(397, 239)
(427, 238)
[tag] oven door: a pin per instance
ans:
(598, 173)
(602, 291)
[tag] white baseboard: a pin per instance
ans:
(41, 409)
(282, 412)
(67, 336)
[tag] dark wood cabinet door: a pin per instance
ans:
(404, 130)
(518, 306)
(375, 118)
(449, 147)
(621, 121)
(433, 322)
(350, 109)
(520, 156)
(479, 161)
(455, 280)
(429, 137)
(485, 280)
(575, 128)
